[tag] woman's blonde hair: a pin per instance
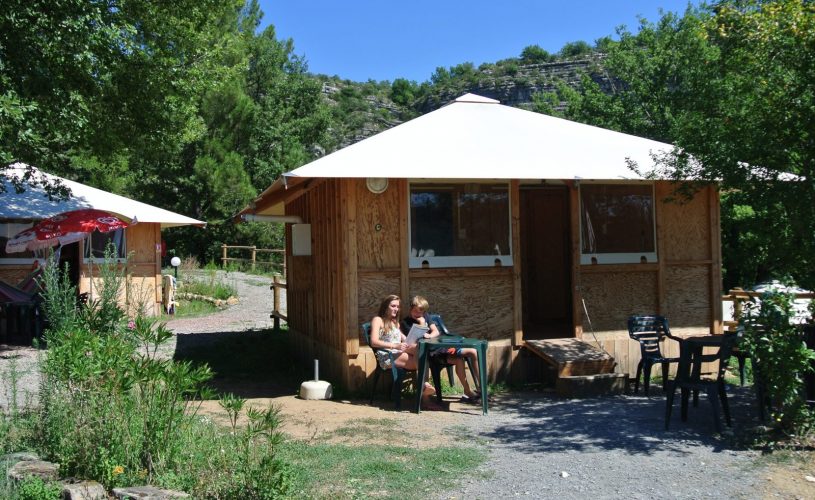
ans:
(383, 307)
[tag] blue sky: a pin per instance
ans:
(384, 40)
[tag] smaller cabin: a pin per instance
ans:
(141, 241)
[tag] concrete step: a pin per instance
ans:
(589, 386)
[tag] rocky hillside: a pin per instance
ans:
(516, 86)
(360, 110)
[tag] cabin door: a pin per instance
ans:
(546, 262)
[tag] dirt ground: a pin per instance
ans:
(793, 477)
(340, 421)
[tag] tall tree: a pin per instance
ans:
(734, 86)
(91, 78)
(265, 116)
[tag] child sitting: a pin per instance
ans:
(453, 356)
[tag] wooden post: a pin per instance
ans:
(715, 249)
(276, 302)
(517, 269)
(254, 256)
(737, 304)
(223, 259)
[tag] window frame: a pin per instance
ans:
(619, 257)
(87, 258)
(452, 261)
(15, 261)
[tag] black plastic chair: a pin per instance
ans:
(437, 363)
(649, 332)
(397, 374)
(688, 379)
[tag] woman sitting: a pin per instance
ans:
(387, 337)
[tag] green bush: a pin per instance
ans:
(34, 488)
(113, 410)
(780, 359)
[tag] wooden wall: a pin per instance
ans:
(142, 291)
(684, 285)
(359, 255)
(318, 303)
(13, 274)
(474, 302)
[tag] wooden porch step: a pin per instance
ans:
(572, 357)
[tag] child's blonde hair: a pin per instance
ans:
(420, 303)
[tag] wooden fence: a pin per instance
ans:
(280, 268)
(738, 297)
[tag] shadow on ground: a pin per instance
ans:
(250, 364)
(257, 364)
(541, 422)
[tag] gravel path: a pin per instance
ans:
(602, 448)
(250, 313)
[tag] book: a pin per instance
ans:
(416, 332)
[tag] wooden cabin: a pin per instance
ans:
(515, 226)
(140, 242)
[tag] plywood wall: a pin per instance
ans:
(372, 287)
(686, 232)
(688, 298)
(691, 263)
(142, 291)
(13, 274)
(473, 302)
(684, 285)
(614, 293)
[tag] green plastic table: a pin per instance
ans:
(425, 346)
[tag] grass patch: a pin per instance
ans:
(192, 309)
(207, 283)
(366, 426)
(341, 471)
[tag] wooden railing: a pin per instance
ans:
(739, 297)
(252, 260)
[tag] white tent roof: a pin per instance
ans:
(478, 138)
(33, 203)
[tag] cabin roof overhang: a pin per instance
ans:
(34, 203)
(476, 138)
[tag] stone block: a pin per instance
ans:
(84, 490)
(46, 471)
(147, 493)
(20, 456)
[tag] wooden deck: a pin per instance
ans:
(572, 357)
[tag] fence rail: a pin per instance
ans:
(253, 260)
(738, 296)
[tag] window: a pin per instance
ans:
(617, 223)
(7, 231)
(459, 225)
(96, 243)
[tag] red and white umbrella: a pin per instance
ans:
(65, 228)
